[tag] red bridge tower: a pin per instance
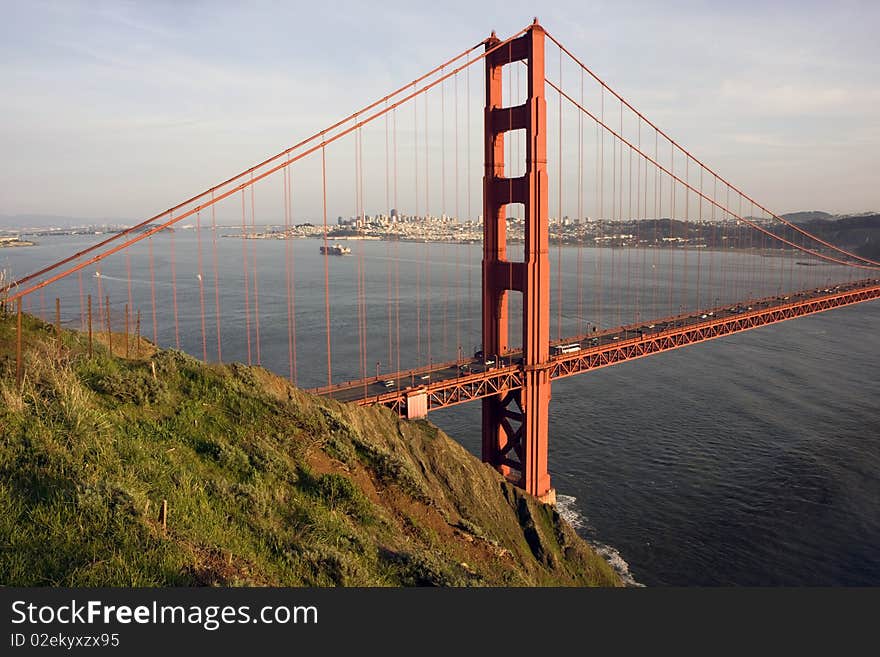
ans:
(515, 422)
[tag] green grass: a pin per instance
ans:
(265, 485)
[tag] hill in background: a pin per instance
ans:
(859, 234)
(810, 215)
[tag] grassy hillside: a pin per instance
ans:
(265, 485)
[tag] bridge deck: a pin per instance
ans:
(453, 383)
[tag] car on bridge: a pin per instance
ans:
(559, 349)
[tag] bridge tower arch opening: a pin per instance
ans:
(515, 422)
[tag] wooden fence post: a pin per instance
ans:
(163, 515)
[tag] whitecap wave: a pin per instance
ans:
(565, 504)
(135, 281)
(567, 507)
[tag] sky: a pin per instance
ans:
(122, 109)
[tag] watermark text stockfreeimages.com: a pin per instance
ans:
(210, 617)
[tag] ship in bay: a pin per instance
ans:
(335, 249)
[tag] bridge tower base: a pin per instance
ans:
(515, 422)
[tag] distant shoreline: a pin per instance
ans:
(764, 252)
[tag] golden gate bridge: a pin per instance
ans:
(651, 223)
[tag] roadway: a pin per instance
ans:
(385, 388)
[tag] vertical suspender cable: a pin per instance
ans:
(757, 264)
(763, 282)
(620, 287)
(244, 267)
(427, 219)
(791, 259)
(288, 235)
(456, 245)
(656, 220)
(723, 219)
(600, 143)
(629, 246)
(255, 278)
(580, 218)
(712, 246)
(683, 285)
(326, 259)
(468, 172)
(358, 153)
(672, 257)
(731, 270)
(363, 265)
(641, 211)
(700, 244)
(416, 217)
(559, 214)
(613, 286)
(363, 273)
(153, 291)
(443, 217)
(387, 244)
(216, 279)
(200, 276)
(396, 250)
(174, 288)
(289, 277)
(687, 233)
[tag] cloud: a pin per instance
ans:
(755, 139)
(212, 87)
(787, 99)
